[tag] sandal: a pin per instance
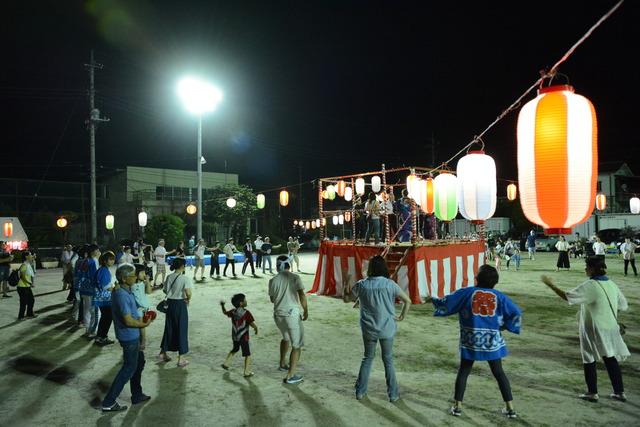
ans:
(182, 363)
(164, 358)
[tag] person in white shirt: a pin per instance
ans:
(160, 255)
(563, 254)
(127, 257)
(628, 249)
(229, 250)
(599, 248)
(198, 252)
(293, 246)
(65, 259)
(258, 246)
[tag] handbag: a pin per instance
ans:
(163, 305)
(621, 326)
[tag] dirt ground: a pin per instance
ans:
(52, 376)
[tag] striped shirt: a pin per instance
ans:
(240, 321)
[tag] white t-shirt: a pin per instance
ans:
(175, 284)
(562, 245)
(258, 244)
(199, 251)
(228, 250)
(628, 250)
(283, 291)
(160, 254)
(599, 248)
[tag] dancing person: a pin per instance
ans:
(509, 250)
(192, 245)
(5, 270)
(215, 261)
(25, 287)
(483, 312)
(198, 253)
(498, 251)
(372, 209)
(178, 288)
(293, 246)
(77, 310)
(248, 256)
(377, 295)
(65, 260)
(516, 258)
(127, 323)
(286, 292)
(241, 320)
(104, 284)
(229, 251)
(160, 255)
(258, 246)
(267, 248)
(599, 249)
(147, 259)
(628, 249)
(387, 211)
(600, 338)
(88, 270)
(563, 254)
(128, 257)
(141, 290)
(403, 207)
(531, 245)
(578, 248)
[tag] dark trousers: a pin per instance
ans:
(633, 265)
(258, 258)
(106, 319)
(72, 294)
(131, 371)
(248, 260)
(215, 266)
(26, 301)
(496, 370)
(230, 262)
(613, 369)
(563, 259)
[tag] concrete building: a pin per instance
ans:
(157, 191)
(618, 183)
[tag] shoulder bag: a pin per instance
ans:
(163, 305)
(622, 326)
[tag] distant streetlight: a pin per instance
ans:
(62, 222)
(191, 209)
(142, 222)
(199, 97)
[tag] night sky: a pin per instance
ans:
(333, 87)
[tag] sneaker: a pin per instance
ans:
(103, 341)
(139, 399)
(296, 379)
(509, 413)
(33, 316)
(6, 296)
(284, 368)
(360, 396)
(455, 411)
(590, 397)
(618, 396)
(114, 408)
(394, 399)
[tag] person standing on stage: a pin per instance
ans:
(403, 207)
(372, 209)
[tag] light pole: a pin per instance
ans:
(199, 97)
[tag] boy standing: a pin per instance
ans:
(241, 320)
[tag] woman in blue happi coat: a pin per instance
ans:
(483, 313)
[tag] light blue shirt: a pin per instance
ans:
(377, 297)
(123, 303)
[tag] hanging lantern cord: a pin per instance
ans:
(538, 82)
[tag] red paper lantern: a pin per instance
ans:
(557, 159)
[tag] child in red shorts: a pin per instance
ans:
(241, 319)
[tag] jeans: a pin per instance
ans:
(496, 370)
(26, 301)
(90, 314)
(613, 369)
(132, 367)
(386, 346)
(373, 226)
(266, 258)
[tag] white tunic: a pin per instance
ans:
(599, 331)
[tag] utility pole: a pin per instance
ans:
(94, 118)
(433, 145)
(300, 189)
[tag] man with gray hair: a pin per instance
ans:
(127, 322)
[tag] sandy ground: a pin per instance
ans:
(52, 376)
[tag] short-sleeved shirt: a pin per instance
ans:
(199, 251)
(228, 250)
(283, 291)
(140, 295)
(266, 248)
(240, 321)
(258, 244)
(599, 248)
(160, 254)
(123, 303)
(175, 284)
(373, 208)
(562, 245)
(26, 269)
(377, 296)
(628, 250)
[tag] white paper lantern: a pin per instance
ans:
(360, 186)
(376, 184)
(340, 219)
(348, 194)
(634, 205)
(231, 202)
(477, 186)
(413, 186)
(142, 219)
(335, 219)
(307, 225)
(318, 223)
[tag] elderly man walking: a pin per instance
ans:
(286, 292)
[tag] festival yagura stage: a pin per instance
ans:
(423, 269)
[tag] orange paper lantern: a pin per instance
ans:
(347, 216)
(557, 159)
(601, 202)
(512, 192)
(284, 198)
(340, 187)
(7, 229)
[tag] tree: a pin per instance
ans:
(168, 227)
(234, 219)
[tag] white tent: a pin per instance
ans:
(18, 238)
